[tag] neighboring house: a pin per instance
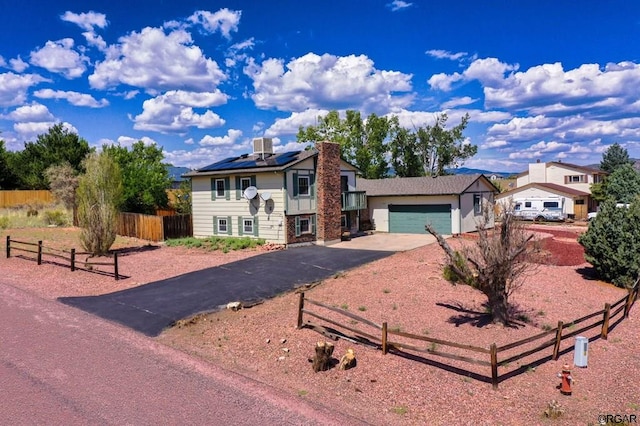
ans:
(568, 182)
(287, 198)
(452, 204)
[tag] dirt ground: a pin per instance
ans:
(407, 291)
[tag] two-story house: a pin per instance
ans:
(288, 198)
(568, 182)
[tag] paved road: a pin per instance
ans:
(153, 307)
(62, 366)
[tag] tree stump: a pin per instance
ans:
(322, 358)
(348, 360)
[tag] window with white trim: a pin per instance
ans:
(477, 204)
(223, 225)
(303, 185)
(305, 225)
(247, 226)
(220, 188)
(575, 179)
(245, 182)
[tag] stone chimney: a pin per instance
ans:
(328, 191)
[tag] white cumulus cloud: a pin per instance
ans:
(156, 61)
(14, 87)
(328, 81)
(224, 20)
(59, 57)
(74, 98)
(230, 138)
(173, 112)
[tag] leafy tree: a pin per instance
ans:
(623, 185)
(614, 157)
(7, 178)
(63, 183)
(99, 193)
(57, 146)
(404, 152)
(612, 243)
(495, 264)
(144, 176)
(183, 197)
(362, 143)
(440, 148)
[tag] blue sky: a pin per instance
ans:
(549, 80)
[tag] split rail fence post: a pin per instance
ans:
(300, 308)
(627, 305)
(39, 252)
(556, 347)
(115, 265)
(8, 246)
(493, 350)
(385, 348)
(73, 259)
(605, 321)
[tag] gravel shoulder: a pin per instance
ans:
(408, 292)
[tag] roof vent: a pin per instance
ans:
(263, 146)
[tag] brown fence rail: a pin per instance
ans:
(20, 198)
(65, 255)
(154, 228)
(381, 337)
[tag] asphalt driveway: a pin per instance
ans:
(152, 307)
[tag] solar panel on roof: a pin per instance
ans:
(234, 163)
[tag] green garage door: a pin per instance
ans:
(411, 219)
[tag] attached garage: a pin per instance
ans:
(411, 219)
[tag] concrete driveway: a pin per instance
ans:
(152, 307)
(387, 242)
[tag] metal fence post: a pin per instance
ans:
(115, 265)
(73, 259)
(39, 252)
(8, 246)
(300, 308)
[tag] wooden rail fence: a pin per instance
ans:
(24, 197)
(65, 255)
(154, 228)
(382, 337)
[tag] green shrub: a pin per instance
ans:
(224, 244)
(4, 222)
(55, 217)
(612, 243)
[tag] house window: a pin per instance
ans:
(344, 183)
(303, 185)
(247, 226)
(223, 226)
(305, 225)
(343, 221)
(575, 179)
(597, 179)
(220, 187)
(477, 204)
(579, 202)
(245, 182)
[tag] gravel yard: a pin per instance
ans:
(408, 292)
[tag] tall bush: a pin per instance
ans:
(99, 194)
(612, 243)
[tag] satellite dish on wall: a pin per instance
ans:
(250, 193)
(266, 196)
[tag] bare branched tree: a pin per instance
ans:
(495, 264)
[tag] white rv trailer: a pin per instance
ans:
(540, 208)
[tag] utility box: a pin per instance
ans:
(580, 353)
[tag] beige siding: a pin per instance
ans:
(270, 214)
(303, 203)
(556, 174)
(379, 208)
(469, 217)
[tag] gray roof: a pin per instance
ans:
(257, 165)
(441, 185)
